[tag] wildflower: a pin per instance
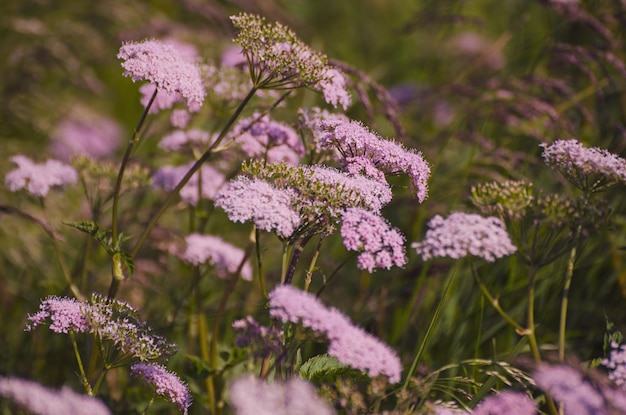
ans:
(278, 59)
(263, 341)
(38, 179)
(506, 402)
(380, 245)
(252, 396)
(87, 134)
(65, 314)
(180, 118)
(114, 323)
(39, 400)
(269, 208)
(567, 386)
(161, 65)
(223, 257)
(167, 384)
(316, 121)
(351, 345)
(616, 363)
(462, 234)
(590, 169)
(507, 199)
(354, 140)
(270, 140)
(168, 177)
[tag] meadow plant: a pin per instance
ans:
(241, 151)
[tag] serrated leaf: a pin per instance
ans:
(92, 228)
(326, 369)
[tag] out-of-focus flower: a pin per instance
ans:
(351, 345)
(263, 341)
(38, 179)
(190, 139)
(166, 384)
(40, 400)
(222, 256)
(258, 201)
(278, 59)
(590, 169)
(462, 234)
(616, 363)
(354, 140)
(567, 386)
(269, 140)
(506, 402)
(168, 177)
(180, 118)
(83, 133)
(252, 396)
(380, 245)
(161, 65)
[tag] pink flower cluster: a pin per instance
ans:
(616, 363)
(168, 177)
(269, 140)
(38, 179)
(317, 121)
(380, 245)
(39, 400)
(351, 345)
(506, 402)
(462, 234)
(258, 201)
(585, 166)
(252, 396)
(181, 139)
(263, 341)
(167, 384)
(223, 257)
(356, 143)
(162, 65)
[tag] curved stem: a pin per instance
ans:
(196, 166)
(431, 325)
(81, 368)
(494, 302)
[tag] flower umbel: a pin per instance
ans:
(462, 234)
(38, 179)
(351, 345)
(223, 257)
(590, 169)
(166, 384)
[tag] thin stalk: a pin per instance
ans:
(120, 175)
(569, 273)
(196, 166)
(431, 325)
(309, 272)
(81, 368)
(206, 356)
(530, 321)
(259, 261)
(495, 304)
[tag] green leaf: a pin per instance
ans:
(92, 228)
(326, 369)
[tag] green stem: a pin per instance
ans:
(494, 302)
(530, 321)
(569, 273)
(99, 380)
(120, 174)
(309, 272)
(431, 325)
(81, 368)
(196, 166)
(259, 261)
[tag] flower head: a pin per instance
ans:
(180, 139)
(507, 199)
(269, 208)
(351, 345)
(65, 314)
(462, 234)
(316, 121)
(166, 384)
(162, 65)
(354, 141)
(87, 134)
(38, 179)
(278, 59)
(506, 402)
(40, 400)
(168, 177)
(380, 245)
(252, 396)
(616, 363)
(262, 340)
(590, 169)
(223, 257)
(270, 140)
